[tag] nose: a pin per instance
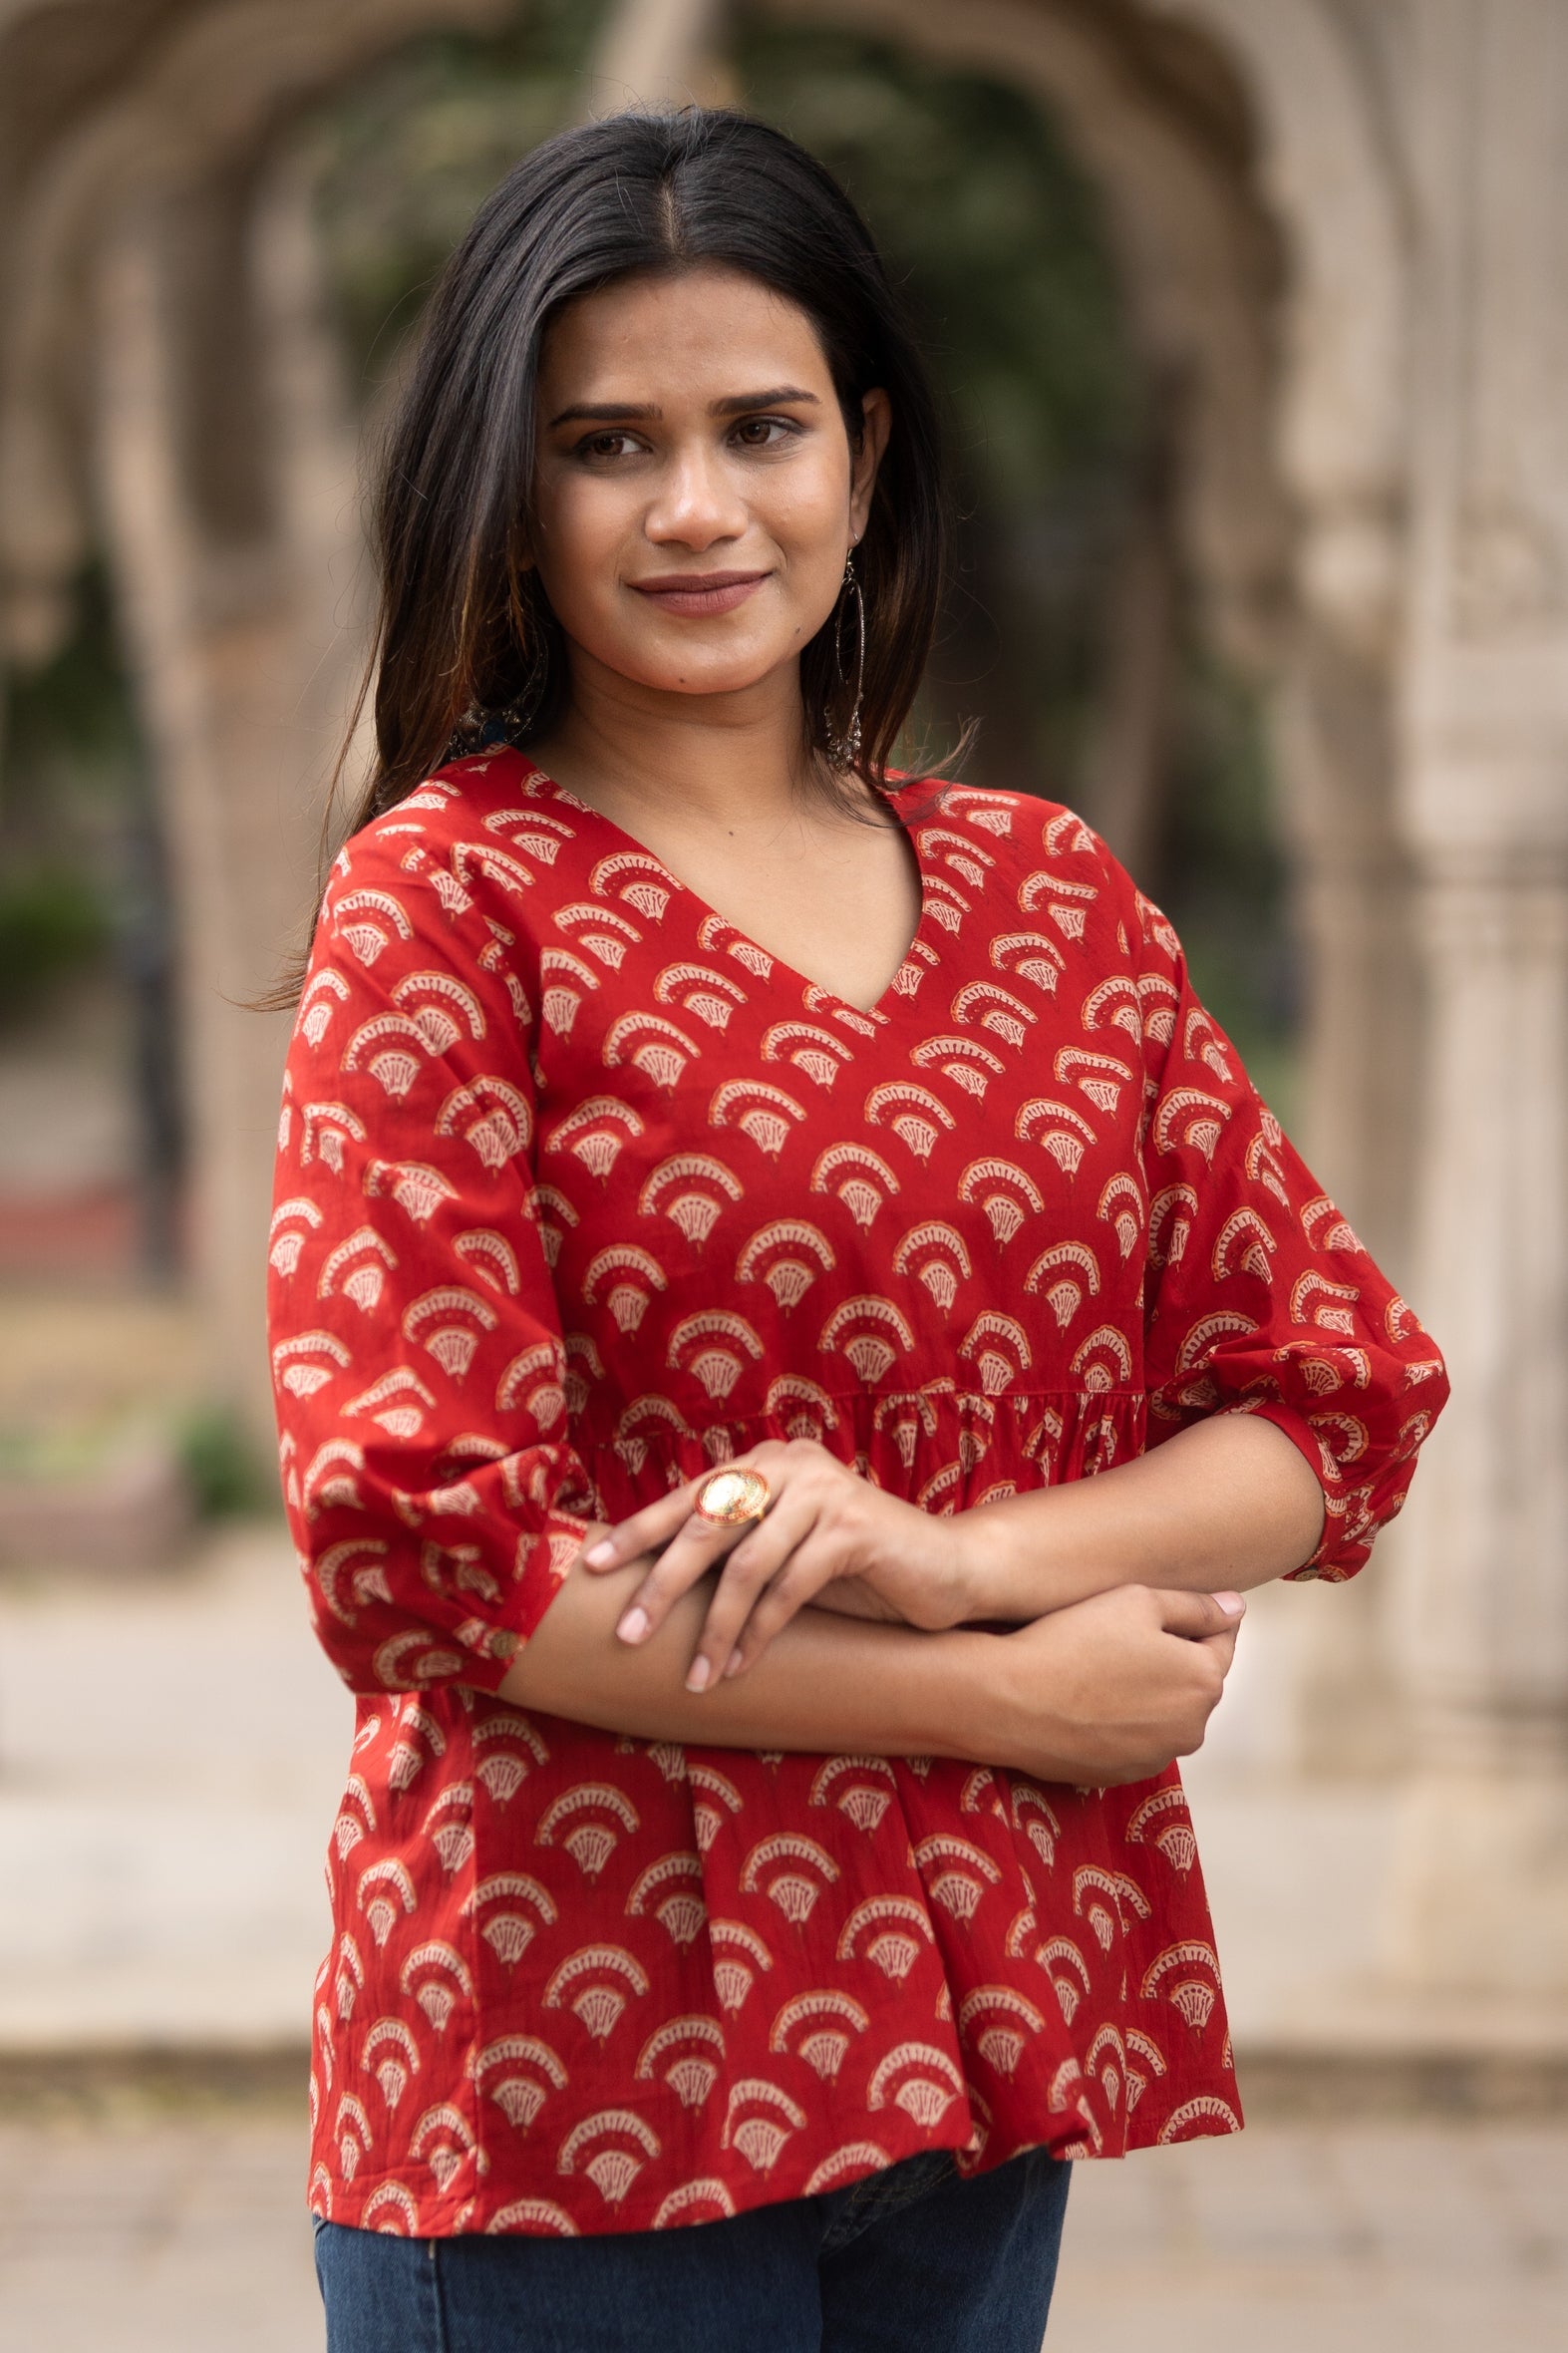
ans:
(698, 501)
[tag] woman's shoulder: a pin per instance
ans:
(1044, 849)
(1027, 820)
(472, 852)
(482, 798)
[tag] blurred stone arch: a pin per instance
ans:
(170, 385)
(1241, 154)
(1342, 242)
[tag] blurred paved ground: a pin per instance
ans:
(173, 1746)
(141, 2235)
(171, 1749)
(170, 1752)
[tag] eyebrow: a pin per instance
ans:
(649, 412)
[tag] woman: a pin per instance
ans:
(714, 1178)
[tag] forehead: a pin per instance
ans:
(708, 329)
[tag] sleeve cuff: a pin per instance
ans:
(1341, 1549)
(544, 1555)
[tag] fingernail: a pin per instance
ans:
(633, 1626)
(1231, 1603)
(696, 1680)
(732, 1665)
(597, 1554)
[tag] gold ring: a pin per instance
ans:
(728, 1496)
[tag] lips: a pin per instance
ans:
(697, 594)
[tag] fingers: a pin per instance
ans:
(686, 1547)
(691, 1551)
(676, 1513)
(808, 1573)
(754, 1555)
(1211, 1622)
(1223, 1647)
(1198, 1616)
(644, 1531)
(769, 1564)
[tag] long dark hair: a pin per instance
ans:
(464, 626)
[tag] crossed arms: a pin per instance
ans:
(1111, 1656)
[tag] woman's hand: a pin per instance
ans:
(1116, 1688)
(827, 1535)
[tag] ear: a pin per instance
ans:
(876, 414)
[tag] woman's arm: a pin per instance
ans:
(1224, 1506)
(1227, 1502)
(1109, 1692)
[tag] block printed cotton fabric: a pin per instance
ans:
(581, 1191)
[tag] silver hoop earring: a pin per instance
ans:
(844, 748)
(484, 727)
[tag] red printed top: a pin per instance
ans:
(581, 1190)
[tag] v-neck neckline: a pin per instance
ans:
(885, 1005)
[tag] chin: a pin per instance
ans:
(697, 678)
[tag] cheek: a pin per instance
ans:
(581, 533)
(806, 516)
(807, 508)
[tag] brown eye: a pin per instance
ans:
(759, 433)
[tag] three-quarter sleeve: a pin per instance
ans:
(1258, 1296)
(417, 1359)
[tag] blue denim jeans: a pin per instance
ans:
(914, 2259)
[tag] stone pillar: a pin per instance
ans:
(1481, 1898)
(1479, 1904)
(226, 473)
(1362, 1055)
(1334, 757)
(1341, 432)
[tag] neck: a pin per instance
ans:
(734, 761)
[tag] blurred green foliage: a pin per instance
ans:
(994, 237)
(223, 1469)
(52, 923)
(222, 1472)
(73, 776)
(411, 152)
(71, 724)
(1220, 872)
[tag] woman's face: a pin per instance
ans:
(696, 491)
